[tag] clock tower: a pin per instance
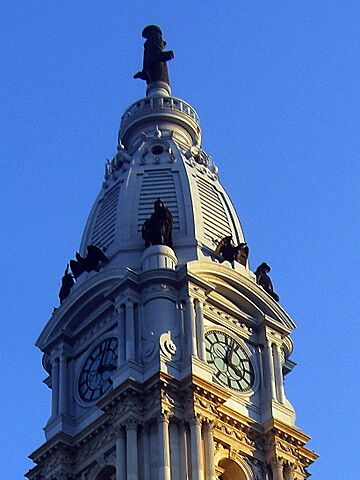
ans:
(167, 354)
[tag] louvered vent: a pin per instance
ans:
(104, 230)
(157, 184)
(216, 224)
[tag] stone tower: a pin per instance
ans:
(167, 354)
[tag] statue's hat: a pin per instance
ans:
(146, 33)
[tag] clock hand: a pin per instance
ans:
(229, 360)
(101, 359)
(106, 366)
(229, 355)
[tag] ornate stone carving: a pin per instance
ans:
(94, 331)
(120, 161)
(131, 423)
(92, 444)
(58, 460)
(256, 467)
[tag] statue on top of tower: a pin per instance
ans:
(154, 62)
(157, 230)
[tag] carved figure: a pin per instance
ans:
(91, 262)
(232, 253)
(154, 62)
(157, 230)
(263, 279)
(67, 282)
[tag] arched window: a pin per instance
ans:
(232, 471)
(107, 473)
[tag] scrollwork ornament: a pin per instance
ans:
(149, 348)
(167, 346)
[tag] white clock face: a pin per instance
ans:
(95, 376)
(232, 364)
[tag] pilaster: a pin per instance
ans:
(132, 469)
(196, 449)
(164, 447)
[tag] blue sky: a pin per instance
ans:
(276, 85)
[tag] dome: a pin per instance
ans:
(160, 157)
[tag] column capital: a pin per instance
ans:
(129, 303)
(196, 420)
(119, 305)
(131, 423)
(209, 423)
(200, 301)
(164, 417)
(277, 466)
(190, 299)
(118, 429)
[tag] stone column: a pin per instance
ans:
(184, 461)
(200, 329)
(270, 362)
(63, 382)
(209, 451)
(192, 326)
(277, 469)
(278, 373)
(289, 474)
(146, 453)
(120, 454)
(130, 331)
(55, 387)
(196, 450)
(164, 448)
(131, 449)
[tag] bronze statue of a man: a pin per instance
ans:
(263, 279)
(154, 63)
(157, 230)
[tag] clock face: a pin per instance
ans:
(232, 364)
(95, 375)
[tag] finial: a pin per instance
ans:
(154, 62)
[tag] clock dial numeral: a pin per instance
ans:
(95, 376)
(232, 364)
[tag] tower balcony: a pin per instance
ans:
(168, 112)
